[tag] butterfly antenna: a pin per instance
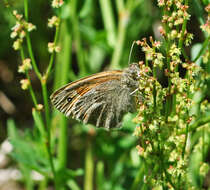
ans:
(129, 60)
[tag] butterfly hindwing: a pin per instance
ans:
(99, 106)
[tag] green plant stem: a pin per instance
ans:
(43, 184)
(26, 172)
(203, 144)
(168, 100)
(161, 166)
(154, 88)
(169, 179)
(108, 19)
(199, 11)
(48, 128)
(62, 78)
(45, 100)
(146, 61)
(120, 6)
(49, 68)
(180, 46)
(28, 41)
(185, 55)
(174, 104)
(187, 127)
(138, 178)
(62, 143)
(100, 175)
(64, 58)
(168, 59)
(43, 81)
(39, 122)
(198, 123)
(122, 27)
(26, 9)
(88, 182)
(185, 141)
(50, 157)
(63, 70)
(205, 44)
(77, 37)
(184, 25)
(31, 91)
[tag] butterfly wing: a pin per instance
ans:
(99, 99)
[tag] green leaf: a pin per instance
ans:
(86, 9)
(73, 185)
(195, 51)
(28, 149)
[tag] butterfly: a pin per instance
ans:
(100, 99)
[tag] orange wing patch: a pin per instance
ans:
(74, 90)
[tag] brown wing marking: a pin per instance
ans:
(79, 93)
(95, 78)
(67, 97)
(90, 111)
(100, 116)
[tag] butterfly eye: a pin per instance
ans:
(69, 99)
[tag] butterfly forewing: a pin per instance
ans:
(91, 99)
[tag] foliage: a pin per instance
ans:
(164, 129)
(171, 130)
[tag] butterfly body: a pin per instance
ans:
(100, 99)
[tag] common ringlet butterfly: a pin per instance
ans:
(100, 99)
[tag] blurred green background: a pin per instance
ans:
(94, 36)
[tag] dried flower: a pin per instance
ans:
(39, 107)
(140, 150)
(188, 39)
(207, 8)
(18, 16)
(17, 27)
(13, 34)
(179, 21)
(54, 21)
(25, 83)
(20, 29)
(57, 3)
(206, 57)
(30, 27)
(204, 168)
(26, 65)
(157, 44)
(53, 48)
(174, 50)
(17, 44)
(161, 3)
(206, 27)
(162, 31)
(57, 49)
(22, 34)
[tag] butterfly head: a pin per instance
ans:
(131, 75)
(134, 71)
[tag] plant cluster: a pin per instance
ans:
(166, 115)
